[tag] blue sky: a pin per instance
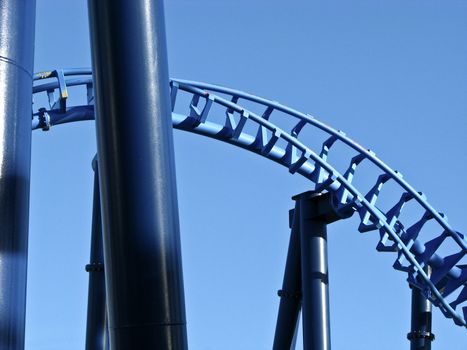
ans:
(392, 75)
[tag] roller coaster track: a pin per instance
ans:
(244, 120)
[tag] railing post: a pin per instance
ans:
(143, 266)
(96, 328)
(17, 28)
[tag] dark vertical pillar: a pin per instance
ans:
(420, 335)
(142, 252)
(290, 294)
(314, 263)
(96, 328)
(17, 21)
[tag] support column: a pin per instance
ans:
(291, 292)
(306, 274)
(142, 254)
(96, 328)
(420, 336)
(17, 24)
(315, 279)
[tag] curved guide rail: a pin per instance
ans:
(420, 240)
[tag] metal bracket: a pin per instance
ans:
(95, 267)
(420, 335)
(290, 295)
(323, 207)
(44, 119)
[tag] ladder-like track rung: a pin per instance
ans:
(343, 193)
(393, 214)
(413, 231)
(272, 141)
(301, 160)
(368, 221)
(174, 85)
(322, 186)
(241, 124)
(89, 93)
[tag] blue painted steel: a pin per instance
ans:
(306, 275)
(420, 335)
(315, 275)
(291, 292)
(96, 326)
(17, 20)
(142, 252)
(252, 129)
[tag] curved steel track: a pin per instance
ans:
(245, 121)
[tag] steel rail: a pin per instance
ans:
(448, 276)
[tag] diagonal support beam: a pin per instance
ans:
(291, 292)
(96, 328)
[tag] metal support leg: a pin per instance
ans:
(143, 266)
(96, 330)
(17, 20)
(420, 335)
(307, 271)
(315, 280)
(290, 294)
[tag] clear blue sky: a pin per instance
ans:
(391, 74)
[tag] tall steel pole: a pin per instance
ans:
(291, 292)
(306, 279)
(316, 326)
(17, 21)
(316, 211)
(96, 327)
(420, 335)
(142, 253)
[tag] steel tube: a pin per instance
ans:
(290, 294)
(142, 252)
(315, 279)
(420, 336)
(17, 26)
(96, 328)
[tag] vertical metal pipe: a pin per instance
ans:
(290, 294)
(96, 328)
(420, 336)
(142, 252)
(314, 263)
(17, 22)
